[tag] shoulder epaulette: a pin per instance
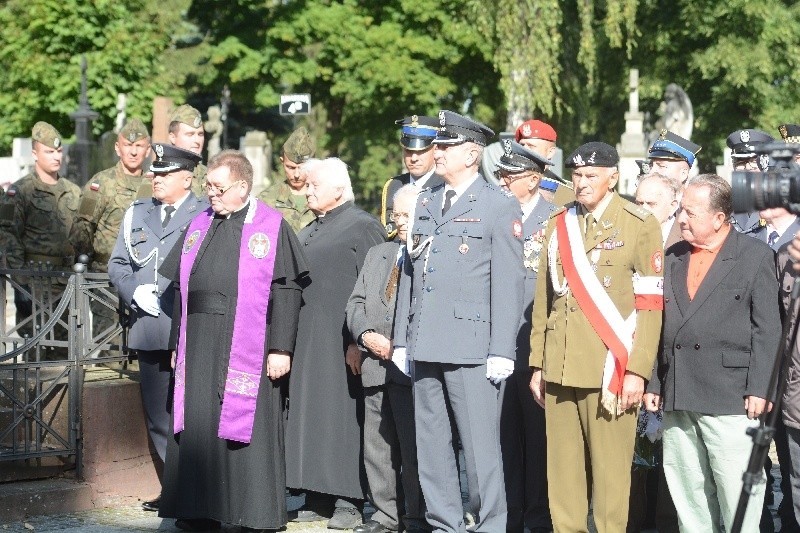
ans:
(557, 210)
(637, 210)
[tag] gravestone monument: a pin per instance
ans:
(633, 143)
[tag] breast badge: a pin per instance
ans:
(191, 241)
(516, 229)
(532, 249)
(258, 245)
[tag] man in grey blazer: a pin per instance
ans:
(457, 320)
(390, 449)
(522, 427)
(721, 332)
(150, 229)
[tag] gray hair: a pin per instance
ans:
(719, 196)
(673, 185)
(333, 170)
(406, 191)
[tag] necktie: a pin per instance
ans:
(168, 210)
(589, 224)
(394, 275)
(773, 238)
(448, 201)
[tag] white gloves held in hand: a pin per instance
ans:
(400, 359)
(498, 368)
(146, 298)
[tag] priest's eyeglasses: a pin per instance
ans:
(219, 191)
(397, 217)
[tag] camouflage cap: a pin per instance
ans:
(133, 130)
(188, 115)
(46, 134)
(299, 147)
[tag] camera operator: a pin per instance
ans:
(743, 145)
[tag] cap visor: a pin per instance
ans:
(162, 167)
(415, 143)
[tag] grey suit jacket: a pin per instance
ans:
(369, 309)
(718, 347)
(148, 332)
(462, 293)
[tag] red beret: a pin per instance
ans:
(535, 129)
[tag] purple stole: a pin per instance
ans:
(256, 265)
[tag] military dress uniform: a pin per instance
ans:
(590, 448)
(143, 242)
(417, 134)
(522, 425)
(461, 298)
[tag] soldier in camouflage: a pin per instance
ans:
(289, 196)
(104, 200)
(186, 132)
(109, 193)
(37, 213)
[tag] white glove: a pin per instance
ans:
(400, 359)
(498, 368)
(146, 299)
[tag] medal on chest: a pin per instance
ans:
(532, 249)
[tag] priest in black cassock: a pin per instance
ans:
(239, 274)
(326, 404)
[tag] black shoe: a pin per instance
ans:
(245, 529)
(345, 518)
(151, 505)
(307, 515)
(197, 524)
(372, 526)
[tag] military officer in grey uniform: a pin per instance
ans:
(522, 427)
(150, 229)
(416, 138)
(458, 316)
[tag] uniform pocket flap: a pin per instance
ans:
(472, 311)
(735, 359)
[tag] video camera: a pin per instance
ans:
(778, 187)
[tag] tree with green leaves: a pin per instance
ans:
(365, 65)
(131, 47)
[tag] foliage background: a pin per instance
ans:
(367, 63)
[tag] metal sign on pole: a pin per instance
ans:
(295, 104)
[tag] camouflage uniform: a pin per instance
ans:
(37, 218)
(199, 181)
(293, 207)
(298, 148)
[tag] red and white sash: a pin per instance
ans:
(615, 331)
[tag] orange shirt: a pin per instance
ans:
(699, 263)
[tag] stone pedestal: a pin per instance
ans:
(258, 150)
(160, 129)
(633, 143)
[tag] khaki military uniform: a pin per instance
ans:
(293, 207)
(104, 200)
(199, 181)
(588, 448)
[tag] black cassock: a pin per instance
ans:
(205, 476)
(326, 404)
